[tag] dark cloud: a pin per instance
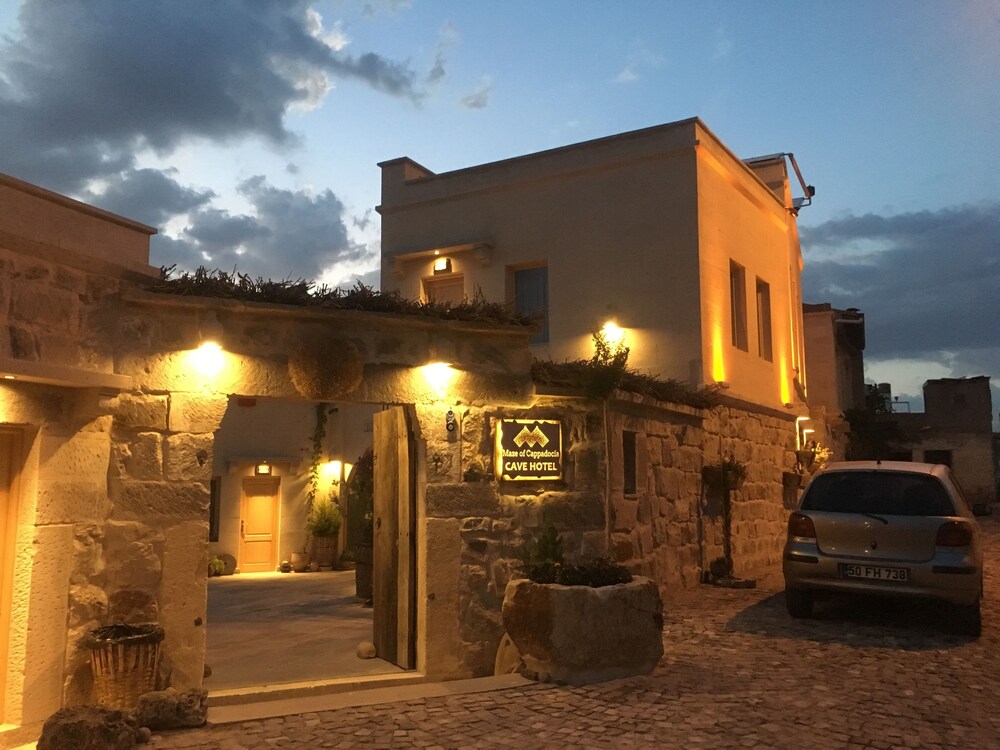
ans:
(91, 82)
(927, 281)
(290, 235)
(479, 98)
(148, 195)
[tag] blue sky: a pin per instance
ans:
(249, 132)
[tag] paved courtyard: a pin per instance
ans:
(737, 673)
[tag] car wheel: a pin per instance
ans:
(968, 620)
(799, 603)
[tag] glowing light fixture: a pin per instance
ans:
(442, 265)
(439, 376)
(9, 377)
(263, 469)
(208, 358)
(331, 470)
(613, 334)
(211, 329)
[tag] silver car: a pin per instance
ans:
(889, 528)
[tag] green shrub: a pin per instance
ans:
(324, 519)
(593, 573)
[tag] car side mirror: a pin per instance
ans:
(982, 509)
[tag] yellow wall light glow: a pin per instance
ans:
(439, 376)
(718, 361)
(208, 359)
(786, 392)
(331, 471)
(613, 334)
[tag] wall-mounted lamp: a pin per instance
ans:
(262, 469)
(442, 265)
(211, 329)
(331, 471)
(614, 335)
(439, 376)
(208, 358)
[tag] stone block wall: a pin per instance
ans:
(764, 442)
(671, 527)
(493, 519)
(53, 312)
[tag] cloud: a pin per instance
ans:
(639, 59)
(289, 234)
(447, 38)
(480, 96)
(89, 83)
(147, 195)
(926, 281)
(723, 43)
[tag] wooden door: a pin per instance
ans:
(10, 455)
(259, 525)
(394, 553)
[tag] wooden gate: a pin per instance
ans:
(394, 574)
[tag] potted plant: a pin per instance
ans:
(582, 622)
(323, 526)
(733, 473)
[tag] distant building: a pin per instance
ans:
(955, 429)
(835, 344)
(691, 250)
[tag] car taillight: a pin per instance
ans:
(954, 534)
(801, 525)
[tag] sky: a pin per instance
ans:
(248, 132)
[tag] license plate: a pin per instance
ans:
(874, 572)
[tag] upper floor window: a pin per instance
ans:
(764, 320)
(738, 305)
(530, 296)
(448, 289)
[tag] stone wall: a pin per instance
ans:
(764, 441)
(484, 524)
(671, 527)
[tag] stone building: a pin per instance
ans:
(691, 251)
(835, 344)
(116, 415)
(955, 429)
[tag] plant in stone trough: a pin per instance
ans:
(541, 558)
(542, 562)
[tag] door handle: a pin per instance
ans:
(242, 532)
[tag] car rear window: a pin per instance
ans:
(882, 492)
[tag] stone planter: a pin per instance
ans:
(579, 634)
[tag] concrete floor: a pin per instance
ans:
(270, 628)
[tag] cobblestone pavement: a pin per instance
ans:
(737, 673)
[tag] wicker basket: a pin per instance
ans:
(124, 659)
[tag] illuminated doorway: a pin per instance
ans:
(10, 454)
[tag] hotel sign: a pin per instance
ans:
(529, 449)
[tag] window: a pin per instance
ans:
(738, 305)
(449, 289)
(764, 320)
(530, 296)
(628, 462)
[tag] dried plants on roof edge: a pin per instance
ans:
(245, 288)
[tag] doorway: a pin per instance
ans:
(10, 455)
(271, 627)
(259, 524)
